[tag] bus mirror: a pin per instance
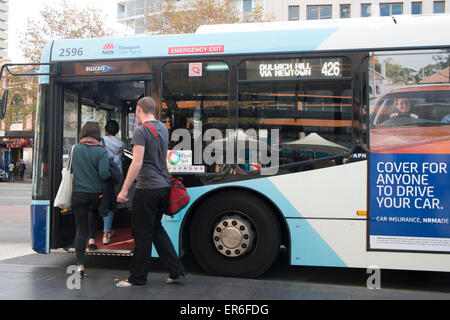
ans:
(4, 104)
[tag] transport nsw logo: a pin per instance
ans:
(197, 49)
(114, 49)
(108, 48)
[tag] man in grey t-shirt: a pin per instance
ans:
(150, 199)
(153, 174)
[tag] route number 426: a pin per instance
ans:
(331, 69)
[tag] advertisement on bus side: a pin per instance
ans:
(409, 171)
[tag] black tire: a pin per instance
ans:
(265, 239)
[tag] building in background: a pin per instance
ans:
(131, 13)
(4, 8)
(298, 10)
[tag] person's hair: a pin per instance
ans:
(91, 129)
(397, 100)
(148, 105)
(112, 127)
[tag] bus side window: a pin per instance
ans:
(195, 98)
(313, 120)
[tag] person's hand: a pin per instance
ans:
(122, 196)
(394, 116)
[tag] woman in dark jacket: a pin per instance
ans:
(90, 166)
(115, 147)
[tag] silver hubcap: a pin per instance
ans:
(233, 236)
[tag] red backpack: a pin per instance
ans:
(179, 197)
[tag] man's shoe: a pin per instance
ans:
(179, 278)
(126, 284)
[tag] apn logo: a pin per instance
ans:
(108, 48)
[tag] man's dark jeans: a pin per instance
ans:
(146, 228)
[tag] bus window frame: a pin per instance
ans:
(231, 121)
(365, 98)
(45, 94)
(353, 88)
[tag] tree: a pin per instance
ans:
(442, 62)
(397, 73)
(21, 96)
(168, 17)
(59, 20)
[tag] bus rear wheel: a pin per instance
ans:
(236, 235)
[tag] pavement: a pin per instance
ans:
(43, 277)
(15, 238)
(26, 275)
(15, 194)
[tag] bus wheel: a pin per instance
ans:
(235, 234)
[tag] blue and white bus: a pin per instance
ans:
(305, 90)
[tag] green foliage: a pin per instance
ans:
(397, 73)
(59, 20)
(21, 98)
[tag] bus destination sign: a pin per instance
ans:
(298, 68)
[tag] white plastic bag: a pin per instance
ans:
(63, 198)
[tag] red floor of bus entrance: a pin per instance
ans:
(121, 241)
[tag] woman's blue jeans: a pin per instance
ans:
(107, 221)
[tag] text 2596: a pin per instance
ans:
(71, 52)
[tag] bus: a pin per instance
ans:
(275, 130)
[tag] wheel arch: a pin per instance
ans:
(184, 244)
